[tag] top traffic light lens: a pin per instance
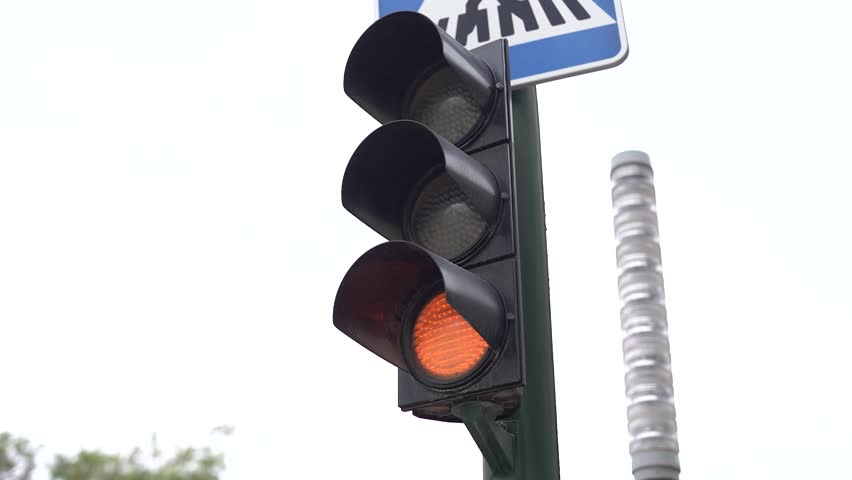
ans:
(445, 345)
(444, 104)
(443, 219)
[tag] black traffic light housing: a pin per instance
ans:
(403, 51)
(446, 148)
(393, 164)
(381, 295)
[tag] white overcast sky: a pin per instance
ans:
(171, 237)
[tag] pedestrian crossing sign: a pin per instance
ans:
(548, 39)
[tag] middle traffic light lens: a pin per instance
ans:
(445, 345)
(443, 219)
(444, 104)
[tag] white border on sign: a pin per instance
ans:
(615, 61)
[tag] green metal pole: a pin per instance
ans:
(534, 424)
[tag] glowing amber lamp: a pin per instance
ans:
(445, 345)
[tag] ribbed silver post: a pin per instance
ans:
(648, 376)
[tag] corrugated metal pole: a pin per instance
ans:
(647, 359)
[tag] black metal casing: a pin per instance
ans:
(382, 288)
(401, 48)
(378, 187)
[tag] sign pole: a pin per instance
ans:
(534, 424)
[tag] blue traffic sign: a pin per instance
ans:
(548, 39)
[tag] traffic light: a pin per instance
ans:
(440, 300)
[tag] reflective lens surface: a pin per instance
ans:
(444, 104)
(443, 219)
(445, 345)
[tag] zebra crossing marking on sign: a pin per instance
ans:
(548, 39)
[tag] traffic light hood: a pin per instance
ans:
(384, 289)
(391, 166)
(399, 52)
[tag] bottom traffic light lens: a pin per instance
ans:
(445, 345)
(443, 219)
(443, 103)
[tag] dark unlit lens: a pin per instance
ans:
(444, 104)
(443, 219)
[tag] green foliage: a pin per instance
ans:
(17, 458)
(186, 464)
(17, 462)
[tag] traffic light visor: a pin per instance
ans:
(406, 67)
(407, 183)
(387, 302)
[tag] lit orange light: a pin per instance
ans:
(445, 344)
